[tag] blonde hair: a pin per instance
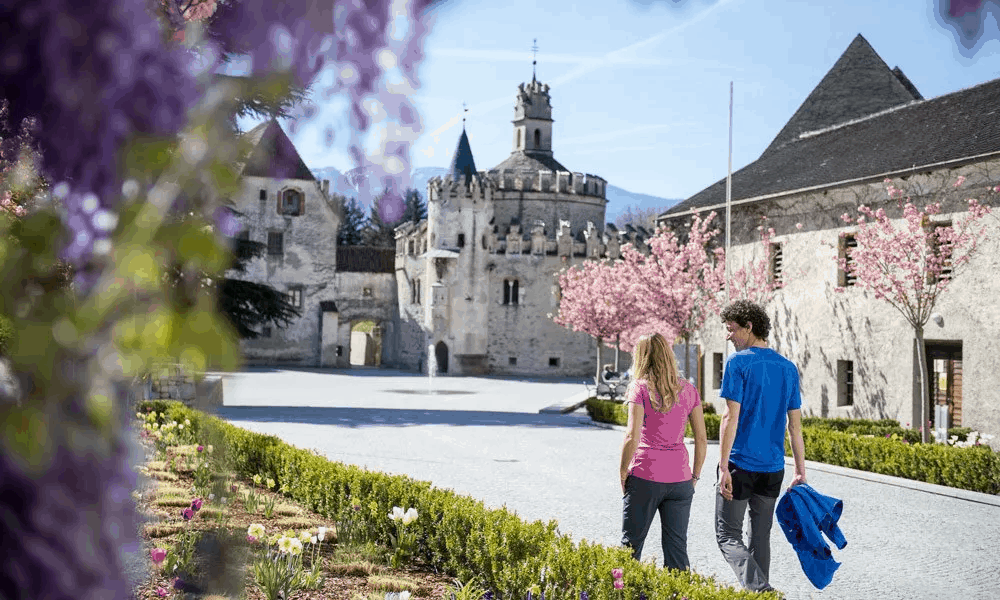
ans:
(654, 361)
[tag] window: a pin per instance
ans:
(266, 331)
(275, 243)
(243, 235)
(538, 139)
(519, 139)
(461, 240)
(291, 202)
(717, 371)
(845, 383)
(367, 292)
(263, 194)
(419, 294)
(411, 247)
(940, 252)
(777, 264)
(845, 277)
(295, 297)
(510, 291)
(553, 361)
(413, 292)
(512, 361)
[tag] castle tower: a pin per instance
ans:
(459, 209)
(533, 119)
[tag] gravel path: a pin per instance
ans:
(485, 438)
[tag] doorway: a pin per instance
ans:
(366, 344)
(441, 355)
(944, 370)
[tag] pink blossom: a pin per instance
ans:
(162, 593)
(617, 573)
(251, 539)
(619, 584)
(201, 448)
(196, 504)
(158, 554)
(188, 514)
(959, 181)
(798, 225)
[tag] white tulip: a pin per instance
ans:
(322, 533)
(410, 516)
(397, 513)
(404, 595)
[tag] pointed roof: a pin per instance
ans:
(859, 84)
(273, 154)
(955, 128)
(462, 163)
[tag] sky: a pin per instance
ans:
(640, 88)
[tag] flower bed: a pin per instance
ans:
(875, 446)
(497, 554)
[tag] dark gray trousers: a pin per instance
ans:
(758, 492)
(643, 498)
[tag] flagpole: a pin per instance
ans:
(729, 196)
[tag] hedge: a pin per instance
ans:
(874, 446)
(456, 534)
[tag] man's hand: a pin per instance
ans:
(726, 484)
(799, 478)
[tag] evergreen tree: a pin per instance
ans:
(381, 230)
(416, 207)
(249, 305)
(353, 221)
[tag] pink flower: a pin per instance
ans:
(162, 593)
(187, 513)
(233, 488)
(196, 504)
(200, 448)
(617, 573)
(619, 584)
(158, 554)
(251, 539)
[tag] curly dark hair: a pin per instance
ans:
(746, 314)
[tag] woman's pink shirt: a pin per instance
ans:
(661, 455)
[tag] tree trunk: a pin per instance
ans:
(598, 379)
(925, 395)
(687, 357)
(618, 342)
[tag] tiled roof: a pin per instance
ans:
(273, 154)
(858, 84)
(948, 128)
(529, 162)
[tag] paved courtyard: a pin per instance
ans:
(484, 437)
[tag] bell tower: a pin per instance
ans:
(533, 117)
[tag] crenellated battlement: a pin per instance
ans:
(583, 184)
(439, 187)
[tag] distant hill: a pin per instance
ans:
(618, 198)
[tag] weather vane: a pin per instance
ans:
(464, 110)
(534, 57)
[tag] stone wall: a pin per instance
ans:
(816, 324)
(306, 266)
(171, 382)
(363, 297)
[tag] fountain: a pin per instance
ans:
(431, 368)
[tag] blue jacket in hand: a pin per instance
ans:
(803, 513)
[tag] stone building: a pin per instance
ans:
(282, 205)
(478, 279)
(857, 355)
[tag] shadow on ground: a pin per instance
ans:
(368, 417)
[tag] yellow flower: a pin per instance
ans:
(257, 479)
(305, 537)
(256, 530)
(270, 483)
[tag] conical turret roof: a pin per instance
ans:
(462, 163)
(859, 84)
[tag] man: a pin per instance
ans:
(761, 389)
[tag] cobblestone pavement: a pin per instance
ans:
(484, 437)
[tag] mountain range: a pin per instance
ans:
(619, 199)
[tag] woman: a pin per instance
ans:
(655, 474)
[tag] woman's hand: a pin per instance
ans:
(624, 476)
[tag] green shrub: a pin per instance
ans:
(6, 333)
(456, 534)
(616, 413)
(976, 468)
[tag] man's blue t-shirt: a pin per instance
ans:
(766, 386)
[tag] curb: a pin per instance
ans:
(911, 484)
